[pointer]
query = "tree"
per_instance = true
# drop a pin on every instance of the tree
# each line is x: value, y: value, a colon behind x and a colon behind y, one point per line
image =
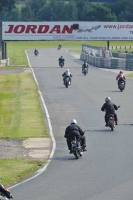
x: 14, y: 15
x: 119, y: 6
x: 82, y: 6
x: 36, y: 5
x: 26, y: 13
x: 6, y: 6
x: 127, y: 14
x: 58, y: 11
x: 100, y: 13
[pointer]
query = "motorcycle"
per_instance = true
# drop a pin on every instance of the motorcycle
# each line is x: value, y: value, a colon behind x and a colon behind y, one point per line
x: 61, y: 64
x: 67, y: 82
x: 85, y: 71
x: 77, y: 149
x: 111, y: 121
x: 36, y: 53
x: 59, y: 47
x: 5, y: 193
x: 121, y: 86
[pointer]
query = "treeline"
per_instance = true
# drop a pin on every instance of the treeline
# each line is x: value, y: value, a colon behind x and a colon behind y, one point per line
x: 71, y: 10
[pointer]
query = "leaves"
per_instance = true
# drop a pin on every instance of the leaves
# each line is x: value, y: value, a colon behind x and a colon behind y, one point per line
x: 68, y: 10
x: 6, y: 5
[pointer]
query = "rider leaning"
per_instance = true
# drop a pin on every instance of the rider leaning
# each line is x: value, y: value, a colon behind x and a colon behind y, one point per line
x: 121, y: 78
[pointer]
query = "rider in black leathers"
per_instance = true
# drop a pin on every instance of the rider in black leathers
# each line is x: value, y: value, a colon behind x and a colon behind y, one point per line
x: 85, y: 65
x: 61, y: 60
x: 5, y: 192
x: 73, y: 130
x: 110, y: 108
x: 36, y: 51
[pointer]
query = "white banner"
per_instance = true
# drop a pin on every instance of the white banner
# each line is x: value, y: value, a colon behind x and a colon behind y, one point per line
x: 67, y: 31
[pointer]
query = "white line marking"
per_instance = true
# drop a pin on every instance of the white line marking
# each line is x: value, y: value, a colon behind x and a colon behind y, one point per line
x: 40, y: 171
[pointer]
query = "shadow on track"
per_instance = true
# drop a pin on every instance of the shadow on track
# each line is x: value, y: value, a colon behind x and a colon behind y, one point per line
x: 66, y: 158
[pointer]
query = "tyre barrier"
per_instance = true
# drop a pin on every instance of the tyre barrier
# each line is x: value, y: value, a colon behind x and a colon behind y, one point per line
x: 4, y: 62
x: 0, y: 55
x: 110, y: 63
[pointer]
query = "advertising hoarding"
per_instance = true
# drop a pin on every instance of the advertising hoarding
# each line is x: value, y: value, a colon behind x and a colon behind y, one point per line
x: 67, y: 30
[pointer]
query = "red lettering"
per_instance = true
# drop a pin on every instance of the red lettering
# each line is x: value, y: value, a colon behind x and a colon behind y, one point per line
x: 43, y: 29
x: 10, y: 29
x: 38, y: 29
x: 67, y: 29
x: 56, y: 28
x: 19, y: 29
x: 31, y: 28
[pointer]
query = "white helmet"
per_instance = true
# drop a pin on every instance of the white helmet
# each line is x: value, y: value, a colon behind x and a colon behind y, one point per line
x: 107, y: 99
x: 67, y: 70
x: 73, y: 121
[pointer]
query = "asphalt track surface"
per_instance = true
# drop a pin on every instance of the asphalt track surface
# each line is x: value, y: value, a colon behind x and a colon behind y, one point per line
x: 105, y: 171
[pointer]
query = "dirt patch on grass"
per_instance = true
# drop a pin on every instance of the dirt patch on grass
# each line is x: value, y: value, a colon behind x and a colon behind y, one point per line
x: 13, y: 148
x: 31, y: 148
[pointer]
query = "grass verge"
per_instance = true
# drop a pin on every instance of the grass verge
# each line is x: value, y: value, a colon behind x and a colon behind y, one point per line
x: 16, y: 169
x: 16, y: 50
x: 130, y: 75
x: 20, y: 118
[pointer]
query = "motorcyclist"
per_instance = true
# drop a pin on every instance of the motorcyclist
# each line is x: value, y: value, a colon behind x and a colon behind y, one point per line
x: 60, y: 45
x: 85, y: 65
x: 36, y: 51
x: 121, y: 78
x: 110, y: 108
x: 5, y: 192
x: 67, y: 73
x: 61, y: 60
x: 73, y: 130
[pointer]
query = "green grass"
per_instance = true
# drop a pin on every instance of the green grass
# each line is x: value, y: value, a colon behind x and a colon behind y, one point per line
x: 75, y: 50
x: 16, y: 50
x: 20, y: 116
x: 130, y: 75
x: 14, y: 170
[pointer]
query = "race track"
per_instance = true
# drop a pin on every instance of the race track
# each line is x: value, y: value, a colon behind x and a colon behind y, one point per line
x: 105, y: 171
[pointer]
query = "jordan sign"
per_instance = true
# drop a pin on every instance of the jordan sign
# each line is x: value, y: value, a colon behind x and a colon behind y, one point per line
x: 67, y: 31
